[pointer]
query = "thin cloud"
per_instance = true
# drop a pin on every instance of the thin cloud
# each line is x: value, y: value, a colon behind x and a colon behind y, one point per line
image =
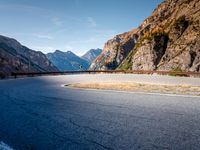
x: 68, y: 48
x: 77, y: 3
x: 91, y: 22
x: 28, y: 9
x: 86, y: 41
x: 45, y: 49
x: 40, y: 36
x: 49, y: 37
x: 57, y: 21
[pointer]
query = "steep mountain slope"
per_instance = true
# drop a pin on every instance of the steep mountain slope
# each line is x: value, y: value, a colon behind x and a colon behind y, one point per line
x: 91, y: 55
x: 67, y: 61
x: 115, y: 51
x: 15, y: 57
x: 168, y: 40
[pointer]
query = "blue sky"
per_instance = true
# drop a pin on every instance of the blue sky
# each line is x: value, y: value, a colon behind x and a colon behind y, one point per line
x: 76, y: 25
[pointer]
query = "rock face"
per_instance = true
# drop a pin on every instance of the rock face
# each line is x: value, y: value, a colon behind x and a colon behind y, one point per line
x: 149, y: 54
x: 168, y: 40
x: 67, y: 61
x: 15, y: 57
x: 115, y: 51
x: 91, y: 55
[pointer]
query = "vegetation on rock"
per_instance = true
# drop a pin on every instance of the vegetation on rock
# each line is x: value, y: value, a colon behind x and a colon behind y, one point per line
x: 163, y: 41
x: 181, y: 24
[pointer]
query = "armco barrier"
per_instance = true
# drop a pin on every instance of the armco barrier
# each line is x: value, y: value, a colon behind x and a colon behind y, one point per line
x: 196, y: 74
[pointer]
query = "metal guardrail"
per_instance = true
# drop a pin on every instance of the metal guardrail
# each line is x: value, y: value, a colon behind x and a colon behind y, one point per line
x: 15, y: 74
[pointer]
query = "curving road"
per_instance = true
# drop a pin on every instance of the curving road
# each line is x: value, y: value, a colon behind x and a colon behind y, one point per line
x: 39, y: 114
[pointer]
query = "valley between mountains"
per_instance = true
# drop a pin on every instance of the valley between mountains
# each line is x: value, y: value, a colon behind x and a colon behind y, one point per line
x: 168, y: 40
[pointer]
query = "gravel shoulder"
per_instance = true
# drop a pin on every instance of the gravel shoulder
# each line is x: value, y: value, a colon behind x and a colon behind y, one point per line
x: 138, y: 87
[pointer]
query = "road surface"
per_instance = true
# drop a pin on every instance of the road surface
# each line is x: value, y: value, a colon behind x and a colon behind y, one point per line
x: 39, y: 114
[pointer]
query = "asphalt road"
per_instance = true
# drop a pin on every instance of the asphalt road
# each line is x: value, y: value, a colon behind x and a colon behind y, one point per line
x: 39, y: 114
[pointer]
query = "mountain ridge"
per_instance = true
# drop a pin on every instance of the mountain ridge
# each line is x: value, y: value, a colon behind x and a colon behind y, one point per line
x: 167, y: 40
x: 91, y: 55
x: 66, y: 61
x: 15, y: 57
x: 69, y: 61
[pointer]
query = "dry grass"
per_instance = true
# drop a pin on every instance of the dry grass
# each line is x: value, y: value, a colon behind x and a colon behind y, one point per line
x: 168, y: 89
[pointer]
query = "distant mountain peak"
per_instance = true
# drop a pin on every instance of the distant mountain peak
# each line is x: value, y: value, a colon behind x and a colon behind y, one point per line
x: 66, y: 61
x: 69, y: 52
x: 57, y: 51
x: 92, y: 54
x: 70, y: 61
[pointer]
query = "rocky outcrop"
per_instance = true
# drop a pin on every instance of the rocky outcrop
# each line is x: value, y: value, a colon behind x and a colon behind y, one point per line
x: 115, y: 51
x: 15, y: 57
x: 91, y: 55
x: 178, y: 23
x: 168, y: 40
x: 149, y: 53
x: 67, y: 61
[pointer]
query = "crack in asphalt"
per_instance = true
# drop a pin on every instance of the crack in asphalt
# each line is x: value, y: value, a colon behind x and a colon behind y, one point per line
x: 159, y: 147
x: 110, y: 105
x: 89, y: 128
x: 101, y: 145
x: 93, y: 103
x: 64, y: 138
x: 87, y: 117
x: 88, y: 102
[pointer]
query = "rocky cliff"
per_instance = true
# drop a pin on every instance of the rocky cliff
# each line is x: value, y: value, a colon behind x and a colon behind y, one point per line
x: 15, y: 57
x: 115, y: 51
x: 168, y: 40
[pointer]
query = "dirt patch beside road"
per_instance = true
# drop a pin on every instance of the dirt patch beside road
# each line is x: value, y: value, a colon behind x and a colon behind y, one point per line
x: 152, y: 88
